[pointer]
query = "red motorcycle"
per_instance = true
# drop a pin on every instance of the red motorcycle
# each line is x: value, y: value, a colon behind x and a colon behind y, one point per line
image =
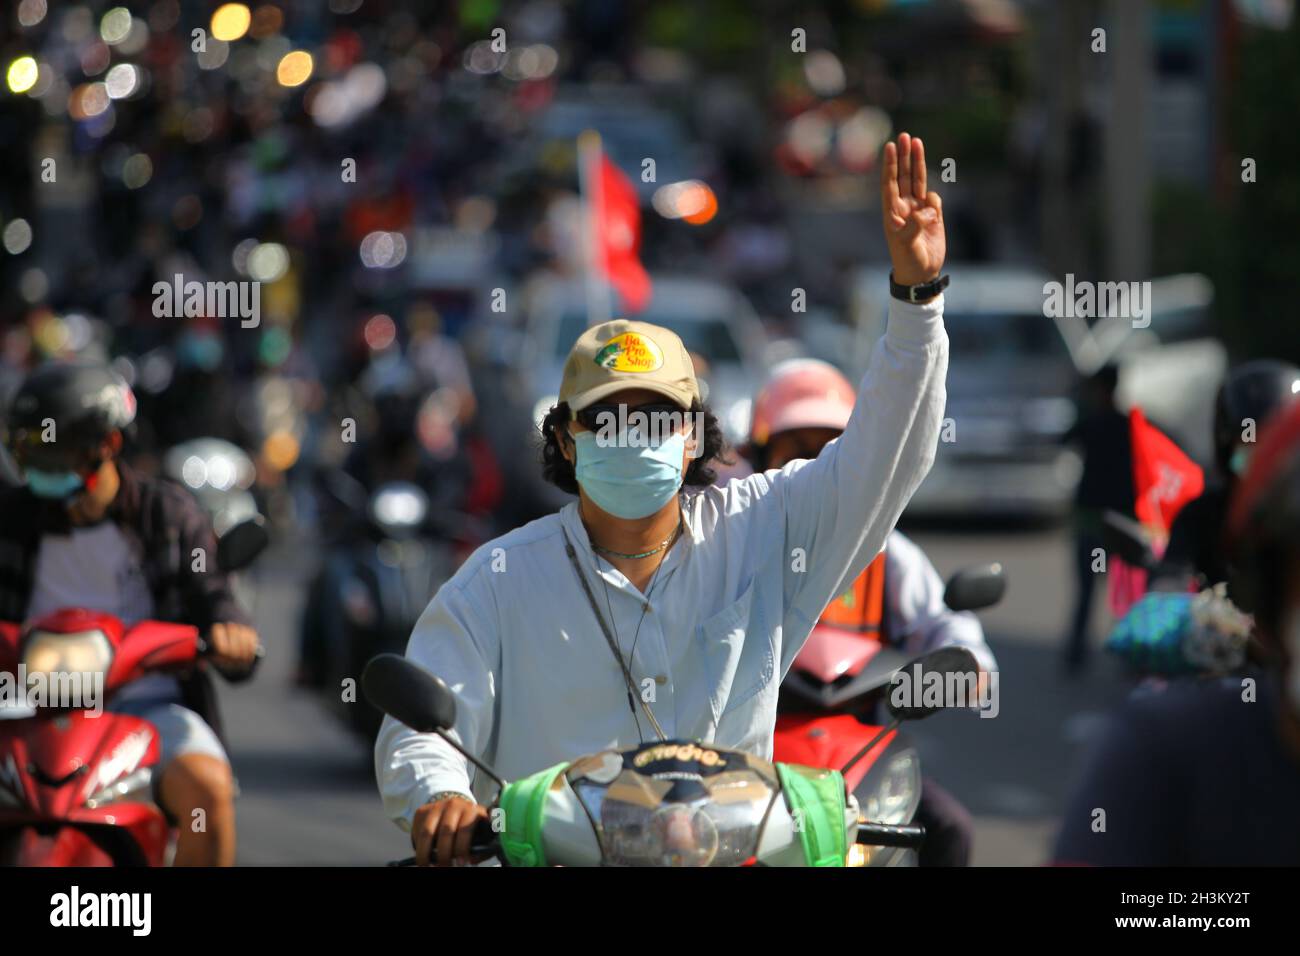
x: 76, y: 787
x: 828, y: 714
x: 76, y: 780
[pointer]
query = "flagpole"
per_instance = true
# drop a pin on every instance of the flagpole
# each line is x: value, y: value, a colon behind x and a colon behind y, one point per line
x: 599, y: 305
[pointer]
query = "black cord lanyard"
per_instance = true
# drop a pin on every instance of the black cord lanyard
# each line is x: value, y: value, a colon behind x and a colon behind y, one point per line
x: 609, y: 639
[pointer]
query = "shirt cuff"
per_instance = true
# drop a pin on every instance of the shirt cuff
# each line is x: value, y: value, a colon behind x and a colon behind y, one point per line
x: 915, y: 323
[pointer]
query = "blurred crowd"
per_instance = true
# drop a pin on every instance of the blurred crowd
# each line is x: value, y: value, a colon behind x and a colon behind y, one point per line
x: 401, y: 179
x: 380, y: 168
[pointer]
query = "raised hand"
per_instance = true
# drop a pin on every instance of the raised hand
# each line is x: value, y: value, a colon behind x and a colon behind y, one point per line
x: 913, y: 217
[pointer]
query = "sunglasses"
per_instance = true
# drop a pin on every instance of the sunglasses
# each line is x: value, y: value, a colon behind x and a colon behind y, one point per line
x: 618, y: 417
x: 30, y: 449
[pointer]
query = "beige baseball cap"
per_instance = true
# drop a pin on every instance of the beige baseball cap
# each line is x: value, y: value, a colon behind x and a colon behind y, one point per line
x: 613, y: 356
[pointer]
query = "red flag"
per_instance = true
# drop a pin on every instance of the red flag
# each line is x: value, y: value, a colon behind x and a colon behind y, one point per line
x: 617, y: 219
x: 1164, y: 478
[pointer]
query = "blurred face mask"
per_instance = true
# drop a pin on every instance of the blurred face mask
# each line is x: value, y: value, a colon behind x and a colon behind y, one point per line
x: 629, y: 480
x: 54, y: 485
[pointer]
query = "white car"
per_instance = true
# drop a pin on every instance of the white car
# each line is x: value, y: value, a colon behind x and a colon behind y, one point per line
x: 1011, y: 381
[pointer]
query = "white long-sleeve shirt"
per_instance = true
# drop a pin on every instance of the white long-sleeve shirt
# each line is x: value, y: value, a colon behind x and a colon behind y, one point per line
x: 514, y: 636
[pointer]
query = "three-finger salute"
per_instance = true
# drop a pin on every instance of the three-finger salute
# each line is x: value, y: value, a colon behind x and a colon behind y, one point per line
x: 913, y: 216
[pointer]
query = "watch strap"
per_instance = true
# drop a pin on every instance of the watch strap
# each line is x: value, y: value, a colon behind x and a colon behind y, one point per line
x: 917, y: 293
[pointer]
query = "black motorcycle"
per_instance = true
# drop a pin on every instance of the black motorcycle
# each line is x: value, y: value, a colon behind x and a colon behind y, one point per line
x: 388, y: 555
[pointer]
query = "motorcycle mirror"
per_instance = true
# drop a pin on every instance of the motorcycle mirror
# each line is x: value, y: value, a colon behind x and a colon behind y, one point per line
x: 242, y: 543
x: 944, y: 667
x: 1127, y: 538
x: 975, y: 587
x: 409, y: 694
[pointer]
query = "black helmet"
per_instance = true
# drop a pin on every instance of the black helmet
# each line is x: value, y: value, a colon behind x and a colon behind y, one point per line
x: 64, y: 409
x: 1254, y: 391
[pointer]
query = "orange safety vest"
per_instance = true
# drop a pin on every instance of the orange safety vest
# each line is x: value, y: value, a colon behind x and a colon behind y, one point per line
x: 862, y: 607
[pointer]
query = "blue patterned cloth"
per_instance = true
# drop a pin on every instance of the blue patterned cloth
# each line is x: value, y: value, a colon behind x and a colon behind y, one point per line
x: 1150, y: 636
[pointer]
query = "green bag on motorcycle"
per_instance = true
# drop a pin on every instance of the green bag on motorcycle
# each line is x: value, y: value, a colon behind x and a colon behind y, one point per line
x: 523, y: 804
x: 817, y: 803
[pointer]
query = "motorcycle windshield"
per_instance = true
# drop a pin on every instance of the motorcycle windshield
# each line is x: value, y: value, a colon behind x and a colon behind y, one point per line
x: 676, y: 803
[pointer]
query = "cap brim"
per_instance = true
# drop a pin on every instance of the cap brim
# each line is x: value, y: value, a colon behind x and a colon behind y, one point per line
x: 605, y: 389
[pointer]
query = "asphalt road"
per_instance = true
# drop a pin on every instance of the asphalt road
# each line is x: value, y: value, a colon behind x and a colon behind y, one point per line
x: 307, y: 785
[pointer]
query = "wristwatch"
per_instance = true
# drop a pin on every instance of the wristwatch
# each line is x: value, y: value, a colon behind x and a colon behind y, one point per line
x: 915, y: 293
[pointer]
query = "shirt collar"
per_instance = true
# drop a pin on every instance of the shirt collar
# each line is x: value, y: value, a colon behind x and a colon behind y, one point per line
x: 571, y: 521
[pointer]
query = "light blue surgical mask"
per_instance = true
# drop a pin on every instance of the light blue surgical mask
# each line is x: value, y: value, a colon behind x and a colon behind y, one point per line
x: 629, y: 480
x: 56, y: 485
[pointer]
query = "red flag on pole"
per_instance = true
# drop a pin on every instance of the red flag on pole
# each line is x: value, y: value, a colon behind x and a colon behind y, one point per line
x: 1164, y: 478
x: 616, y: 219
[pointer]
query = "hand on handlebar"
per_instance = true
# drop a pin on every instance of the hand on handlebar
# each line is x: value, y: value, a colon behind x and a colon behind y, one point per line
x: 233, y: 647
x: 443, y: 831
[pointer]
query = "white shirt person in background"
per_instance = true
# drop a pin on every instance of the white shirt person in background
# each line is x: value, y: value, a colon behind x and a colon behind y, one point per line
x: 698, y: 585
x: 899, y: 598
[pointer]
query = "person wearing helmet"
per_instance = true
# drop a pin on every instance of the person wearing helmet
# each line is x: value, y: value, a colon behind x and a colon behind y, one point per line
x: 806, y: 404
x: 1250, y: 396
x: 1207, y: 773
x: 85, y: 530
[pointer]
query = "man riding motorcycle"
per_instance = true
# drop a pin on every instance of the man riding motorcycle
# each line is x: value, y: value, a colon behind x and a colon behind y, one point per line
x: 899, y: 597
x: 85, y: 530
x: 1207, y: 773
x: 701, y: 597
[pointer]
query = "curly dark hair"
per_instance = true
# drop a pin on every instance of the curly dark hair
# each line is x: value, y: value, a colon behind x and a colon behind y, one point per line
x: 558, y: 471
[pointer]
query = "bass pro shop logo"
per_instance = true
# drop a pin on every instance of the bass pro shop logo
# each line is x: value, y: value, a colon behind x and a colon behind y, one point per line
x: 630, y: 352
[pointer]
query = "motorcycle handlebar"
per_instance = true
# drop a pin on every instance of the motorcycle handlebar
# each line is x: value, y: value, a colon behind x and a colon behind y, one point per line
x: 203, y: 648
x: 483, y: 843
x: 910, y: 835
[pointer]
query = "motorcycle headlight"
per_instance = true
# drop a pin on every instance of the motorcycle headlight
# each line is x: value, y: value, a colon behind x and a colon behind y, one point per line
x: 120, y: 777
x: 135, y: 787
x: 891, y: 799
x: 79, y: 652
x: 399, y: 507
